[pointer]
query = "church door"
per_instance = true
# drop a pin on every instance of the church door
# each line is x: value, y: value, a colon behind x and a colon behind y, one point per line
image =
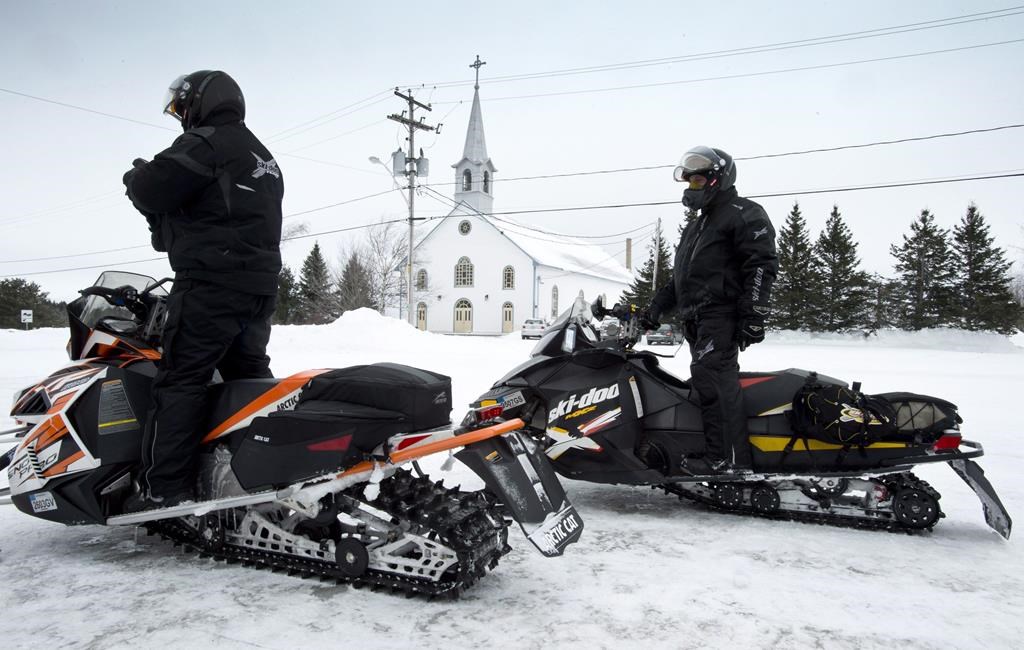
x: 421, y: 316
x: 506, y: 318
x: 463, y: 317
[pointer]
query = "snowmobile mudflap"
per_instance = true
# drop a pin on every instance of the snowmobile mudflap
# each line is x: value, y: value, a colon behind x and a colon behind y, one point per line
x: 519, y: 475
x: 995, y: 513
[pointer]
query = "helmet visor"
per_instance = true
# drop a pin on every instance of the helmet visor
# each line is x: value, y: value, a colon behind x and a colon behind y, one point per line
x: 699, y: 159
x: 174, y: 96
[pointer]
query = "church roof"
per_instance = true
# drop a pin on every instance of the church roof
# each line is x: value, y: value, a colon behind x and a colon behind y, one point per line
x: 563, y: 252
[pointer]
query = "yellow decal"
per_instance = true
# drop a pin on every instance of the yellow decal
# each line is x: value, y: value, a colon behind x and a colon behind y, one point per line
x: 778, y: 443
x: 583, y: 411
x: 489, y: 402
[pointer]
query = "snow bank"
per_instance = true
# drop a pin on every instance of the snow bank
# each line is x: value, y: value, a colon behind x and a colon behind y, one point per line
x: 932, y: 339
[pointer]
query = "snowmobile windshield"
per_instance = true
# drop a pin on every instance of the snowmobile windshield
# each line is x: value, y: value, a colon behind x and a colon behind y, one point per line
x: 171, y: 103
x: 90, y: 309
x: 550, y: 343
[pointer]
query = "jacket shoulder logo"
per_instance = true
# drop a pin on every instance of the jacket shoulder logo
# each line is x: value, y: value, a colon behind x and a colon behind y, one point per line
x: 763, y: 231
x: 265, y: 167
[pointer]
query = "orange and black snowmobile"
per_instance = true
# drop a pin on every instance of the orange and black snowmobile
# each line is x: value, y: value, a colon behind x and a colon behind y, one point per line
x: 306, y: 473
x: 822, y: 451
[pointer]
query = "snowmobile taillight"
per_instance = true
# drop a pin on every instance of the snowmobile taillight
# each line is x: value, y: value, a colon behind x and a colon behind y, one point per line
x: 489, y: 412
x: 947, y: 441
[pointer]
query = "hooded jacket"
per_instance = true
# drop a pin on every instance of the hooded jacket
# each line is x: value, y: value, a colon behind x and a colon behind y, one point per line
x: 725, y: 261
x: 213, y: 200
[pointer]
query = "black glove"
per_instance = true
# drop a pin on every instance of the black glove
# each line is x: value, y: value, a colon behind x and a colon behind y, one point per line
x: 648, y: 318
x: 750, y: 329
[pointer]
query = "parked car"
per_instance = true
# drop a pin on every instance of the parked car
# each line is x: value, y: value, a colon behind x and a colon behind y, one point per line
x: 533, y: 328
x: 667, y: 334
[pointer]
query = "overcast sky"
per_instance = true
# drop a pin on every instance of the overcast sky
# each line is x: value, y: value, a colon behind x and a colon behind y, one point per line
x: 296, y: 62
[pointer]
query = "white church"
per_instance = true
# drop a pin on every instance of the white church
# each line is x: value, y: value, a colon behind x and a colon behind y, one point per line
x: 475, y: 273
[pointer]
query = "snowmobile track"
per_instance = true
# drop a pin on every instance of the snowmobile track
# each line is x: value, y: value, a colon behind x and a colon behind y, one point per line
x: 467, y: 522
x: 886, y: 521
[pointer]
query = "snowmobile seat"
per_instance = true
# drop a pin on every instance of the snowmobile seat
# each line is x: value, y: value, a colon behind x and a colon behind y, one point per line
x: 229, y: 397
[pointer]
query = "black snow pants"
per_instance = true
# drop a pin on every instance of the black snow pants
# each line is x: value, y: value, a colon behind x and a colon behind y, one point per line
x: 208, y: 327
x: 714, y: 373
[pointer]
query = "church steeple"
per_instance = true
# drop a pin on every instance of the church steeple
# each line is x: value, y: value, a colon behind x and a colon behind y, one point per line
x: 474, y: 174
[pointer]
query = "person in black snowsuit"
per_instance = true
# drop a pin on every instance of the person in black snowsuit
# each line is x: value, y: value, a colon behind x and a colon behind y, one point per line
x: 213, y: 203
x: 725, y: 265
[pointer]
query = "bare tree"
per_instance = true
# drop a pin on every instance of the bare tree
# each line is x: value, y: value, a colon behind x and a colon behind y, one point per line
x: 383, y: 254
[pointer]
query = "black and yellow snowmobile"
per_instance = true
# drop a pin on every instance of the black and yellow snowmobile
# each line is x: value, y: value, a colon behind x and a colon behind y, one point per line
x: 822, y: 451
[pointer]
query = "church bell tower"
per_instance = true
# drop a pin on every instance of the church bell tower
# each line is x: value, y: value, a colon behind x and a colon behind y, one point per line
x: 474, y: 174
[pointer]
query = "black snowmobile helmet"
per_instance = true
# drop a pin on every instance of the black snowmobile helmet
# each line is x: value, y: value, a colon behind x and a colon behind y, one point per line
x: 192, y: 98
x: 715, y: 167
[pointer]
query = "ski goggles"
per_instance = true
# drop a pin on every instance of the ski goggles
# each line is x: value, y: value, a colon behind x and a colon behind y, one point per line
x: 696, y: 181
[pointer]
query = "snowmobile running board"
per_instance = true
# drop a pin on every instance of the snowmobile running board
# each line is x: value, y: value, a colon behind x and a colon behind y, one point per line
x: 315, y: 488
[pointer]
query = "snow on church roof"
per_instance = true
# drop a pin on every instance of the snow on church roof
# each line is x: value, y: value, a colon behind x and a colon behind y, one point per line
x: 563, y: 252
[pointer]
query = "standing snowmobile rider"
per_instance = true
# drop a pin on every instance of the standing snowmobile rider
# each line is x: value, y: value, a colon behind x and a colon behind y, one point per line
x: 725, y: 265
x: 213, y: 203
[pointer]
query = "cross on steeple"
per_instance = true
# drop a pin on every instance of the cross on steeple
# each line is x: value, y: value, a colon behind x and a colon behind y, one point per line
x: 476, y: 64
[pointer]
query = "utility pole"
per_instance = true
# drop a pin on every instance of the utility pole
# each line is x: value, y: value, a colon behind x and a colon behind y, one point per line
x: 657, y: 257
x: 412, y: 168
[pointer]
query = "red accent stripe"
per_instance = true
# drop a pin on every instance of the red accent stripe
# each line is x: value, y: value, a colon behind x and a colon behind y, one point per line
x: 412, y: 440
x: 747, y: 382
x: 337, y: 444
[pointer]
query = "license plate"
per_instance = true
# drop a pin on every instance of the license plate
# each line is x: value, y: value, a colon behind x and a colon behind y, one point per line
x: 42, y: 502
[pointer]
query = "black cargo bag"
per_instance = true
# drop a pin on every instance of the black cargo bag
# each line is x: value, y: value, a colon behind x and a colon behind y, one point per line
x: 317, y: 438
x: 921, y: 415
x: 841, y: 415
x: 423, y: 397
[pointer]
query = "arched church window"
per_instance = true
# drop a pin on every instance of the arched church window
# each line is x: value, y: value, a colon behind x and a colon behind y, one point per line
x: 467, y: 181
x: 421, y: 280
x: 508, y: 278
x: 464, y: 273
x: 554, y: 302
x: 487, y: 182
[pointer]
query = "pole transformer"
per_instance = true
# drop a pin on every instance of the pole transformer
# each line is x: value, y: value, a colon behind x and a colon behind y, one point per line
x: 411, y: 171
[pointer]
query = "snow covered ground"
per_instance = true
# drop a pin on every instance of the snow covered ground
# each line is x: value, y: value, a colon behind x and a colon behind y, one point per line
x: 649, y: 572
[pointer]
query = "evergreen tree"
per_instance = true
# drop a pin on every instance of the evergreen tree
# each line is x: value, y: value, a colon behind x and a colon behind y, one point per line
x: 882, y: 311
x: 982, y: 283
x: 315, y: 300
x: 17, y: 294
x: 796, y: 284
x: 925, y: 275
x: 689, y: 215
x: 840, y: 301
x: 355, y: 289
x: 640, y: 292
x: 287, y: 297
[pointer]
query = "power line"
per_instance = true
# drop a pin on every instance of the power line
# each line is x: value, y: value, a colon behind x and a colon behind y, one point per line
x: 743, y: 75
x: 87, y: 110
x: 757, y: 49
x: 756, y: 157
x: 127, y: 248
x: 448, y: 201
x: 591, y: 207
x: 280, y: 135
x: 496, y: 215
